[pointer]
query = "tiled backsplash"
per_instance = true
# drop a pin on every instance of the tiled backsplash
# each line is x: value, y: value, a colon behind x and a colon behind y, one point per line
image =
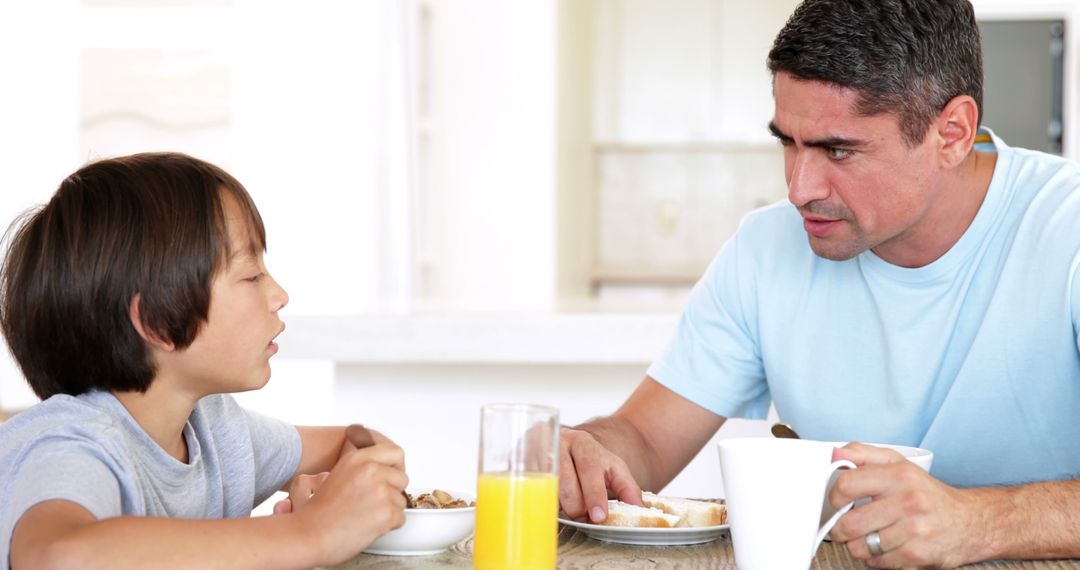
x: 663, y: 212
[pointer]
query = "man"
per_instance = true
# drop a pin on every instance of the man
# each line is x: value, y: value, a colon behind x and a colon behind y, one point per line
x: 921, y: 288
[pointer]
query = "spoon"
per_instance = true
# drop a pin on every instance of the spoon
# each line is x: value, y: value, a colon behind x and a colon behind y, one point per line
x: 784, y: 431
x: 359, y: 436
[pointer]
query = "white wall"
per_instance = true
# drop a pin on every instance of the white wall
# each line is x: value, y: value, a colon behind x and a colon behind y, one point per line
x: 486, y: 225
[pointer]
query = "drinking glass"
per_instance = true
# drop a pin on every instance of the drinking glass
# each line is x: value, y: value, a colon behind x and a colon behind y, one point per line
x: 517, y: 497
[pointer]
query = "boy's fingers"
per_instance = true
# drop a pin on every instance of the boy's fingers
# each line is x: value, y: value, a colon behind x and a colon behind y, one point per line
x: 384, y: 453
x: 359, y: 436
x: 283, y: 507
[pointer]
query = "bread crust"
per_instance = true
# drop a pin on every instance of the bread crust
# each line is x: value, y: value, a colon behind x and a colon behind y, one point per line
x: 665, y: 512
x: 693, y: 513
x: 627, y: 515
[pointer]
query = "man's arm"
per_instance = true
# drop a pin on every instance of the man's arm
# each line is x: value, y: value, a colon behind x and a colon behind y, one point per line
x: 644, y: 444
x: 359, y: 501
x: 925, y: 522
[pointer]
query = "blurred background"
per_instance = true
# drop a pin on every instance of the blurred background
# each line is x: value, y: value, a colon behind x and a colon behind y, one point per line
x: 468, y: 201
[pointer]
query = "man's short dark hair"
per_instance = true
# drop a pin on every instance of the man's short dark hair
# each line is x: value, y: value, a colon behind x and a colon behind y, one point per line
x: 150, y: 224
x: 907, y: 57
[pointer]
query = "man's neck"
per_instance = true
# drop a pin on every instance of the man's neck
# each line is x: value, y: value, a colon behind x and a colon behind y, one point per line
x: 162, y: 413
x: 959, y: 201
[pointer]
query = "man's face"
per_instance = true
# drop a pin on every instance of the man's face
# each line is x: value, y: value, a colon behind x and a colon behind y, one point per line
x: 854, y: 179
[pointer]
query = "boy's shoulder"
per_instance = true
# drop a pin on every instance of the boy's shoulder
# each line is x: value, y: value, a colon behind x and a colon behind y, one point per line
x: 60, y: 418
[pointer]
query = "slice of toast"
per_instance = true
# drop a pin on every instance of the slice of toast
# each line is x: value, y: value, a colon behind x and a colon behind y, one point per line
x: 691, y: 513
x: 625, y: 514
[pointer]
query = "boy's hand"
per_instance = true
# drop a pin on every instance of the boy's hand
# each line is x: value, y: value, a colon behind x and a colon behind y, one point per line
x: 359, y: 500
x: 301, y: 490
x: 359, y: 437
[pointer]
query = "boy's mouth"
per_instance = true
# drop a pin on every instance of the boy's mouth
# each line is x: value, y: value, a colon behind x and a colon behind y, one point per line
x: 272, y: 344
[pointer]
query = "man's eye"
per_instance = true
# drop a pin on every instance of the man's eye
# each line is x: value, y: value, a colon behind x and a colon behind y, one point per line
x: 838, y: 153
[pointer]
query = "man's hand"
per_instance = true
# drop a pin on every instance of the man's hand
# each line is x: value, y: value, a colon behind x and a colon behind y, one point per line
x: 921, y: 521
x: 587, y: 471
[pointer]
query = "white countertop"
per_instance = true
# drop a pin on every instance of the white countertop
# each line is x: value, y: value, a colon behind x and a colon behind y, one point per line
x: 484, y: 338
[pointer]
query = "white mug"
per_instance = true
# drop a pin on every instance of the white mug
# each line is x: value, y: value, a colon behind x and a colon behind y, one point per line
x: 775, y: 489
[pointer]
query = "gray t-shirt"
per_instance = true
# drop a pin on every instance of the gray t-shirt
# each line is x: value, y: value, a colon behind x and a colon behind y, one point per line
x: 89, y: 450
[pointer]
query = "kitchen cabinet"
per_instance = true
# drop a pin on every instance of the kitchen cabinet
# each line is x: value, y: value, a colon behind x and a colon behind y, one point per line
x: 676, y: 151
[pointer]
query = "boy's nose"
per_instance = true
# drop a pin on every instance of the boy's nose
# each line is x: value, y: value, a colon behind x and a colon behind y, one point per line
x: 279, y: 298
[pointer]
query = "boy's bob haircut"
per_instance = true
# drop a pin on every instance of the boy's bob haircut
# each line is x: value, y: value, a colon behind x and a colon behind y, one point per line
x: 149, y: 225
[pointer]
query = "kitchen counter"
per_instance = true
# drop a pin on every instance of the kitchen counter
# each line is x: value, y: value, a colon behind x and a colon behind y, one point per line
x: 480, y: 338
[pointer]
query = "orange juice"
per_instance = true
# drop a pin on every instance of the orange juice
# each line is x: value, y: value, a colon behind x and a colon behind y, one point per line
x: 516, y: 521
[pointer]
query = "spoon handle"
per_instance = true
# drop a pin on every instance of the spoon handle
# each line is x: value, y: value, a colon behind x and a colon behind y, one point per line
x: 784, y: 431
x: 361, y: 437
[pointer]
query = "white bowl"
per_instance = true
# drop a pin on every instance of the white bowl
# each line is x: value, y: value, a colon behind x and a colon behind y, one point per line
x: 428, y: 531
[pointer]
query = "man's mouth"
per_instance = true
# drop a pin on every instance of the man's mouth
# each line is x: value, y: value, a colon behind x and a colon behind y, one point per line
x: 819, y: 227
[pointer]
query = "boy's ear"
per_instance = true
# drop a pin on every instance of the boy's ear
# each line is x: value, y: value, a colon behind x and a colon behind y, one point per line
x: 147, y: 335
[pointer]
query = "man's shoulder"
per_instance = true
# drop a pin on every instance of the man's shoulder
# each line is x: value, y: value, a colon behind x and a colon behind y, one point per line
x: 1045, y: 196
x: 1038, y: 173
x: 776, y: 225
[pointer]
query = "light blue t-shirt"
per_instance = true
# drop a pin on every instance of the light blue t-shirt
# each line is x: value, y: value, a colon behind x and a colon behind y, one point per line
x: 89, y: 450
x: 975, y: 356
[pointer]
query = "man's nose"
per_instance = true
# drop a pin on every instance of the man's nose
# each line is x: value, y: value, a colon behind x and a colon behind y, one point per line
x: 806, y: 177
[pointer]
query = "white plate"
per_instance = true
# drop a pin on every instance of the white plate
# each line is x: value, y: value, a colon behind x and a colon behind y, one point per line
x: 650, y: 536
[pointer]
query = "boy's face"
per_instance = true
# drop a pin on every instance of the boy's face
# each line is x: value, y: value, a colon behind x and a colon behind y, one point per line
x: 231, y: 352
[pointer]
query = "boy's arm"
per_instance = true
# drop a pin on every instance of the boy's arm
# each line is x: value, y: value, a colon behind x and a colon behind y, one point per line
x: 359, y: 501
x: 323, y: 447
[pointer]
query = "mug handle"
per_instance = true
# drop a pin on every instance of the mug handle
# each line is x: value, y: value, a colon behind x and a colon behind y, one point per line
x: 825, y: 528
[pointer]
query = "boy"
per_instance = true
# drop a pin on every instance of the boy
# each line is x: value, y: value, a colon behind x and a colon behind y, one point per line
x: 135, y: 301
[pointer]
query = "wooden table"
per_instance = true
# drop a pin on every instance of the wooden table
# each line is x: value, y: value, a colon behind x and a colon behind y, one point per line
x: 579, y: 552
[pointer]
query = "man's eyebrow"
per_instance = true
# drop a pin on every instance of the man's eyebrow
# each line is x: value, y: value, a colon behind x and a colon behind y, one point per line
x: 829, y: 142
x: 776, y: 132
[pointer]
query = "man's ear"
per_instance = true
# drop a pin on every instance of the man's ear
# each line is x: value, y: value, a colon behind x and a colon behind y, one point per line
x: 149, y: 336
x: 956, y: 127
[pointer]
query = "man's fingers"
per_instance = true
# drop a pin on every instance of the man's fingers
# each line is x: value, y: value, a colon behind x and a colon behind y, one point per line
x: 587, y: 470
x: 588, y: 460
x: 623, y: 485
x: 866, y: 481
x: 570, y: 499
x: 876, y: 481
x: 861, y: 520
x: 863, y: 454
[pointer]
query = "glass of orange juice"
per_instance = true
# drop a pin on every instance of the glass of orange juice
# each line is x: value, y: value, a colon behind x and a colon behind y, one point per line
x: 517, y: 497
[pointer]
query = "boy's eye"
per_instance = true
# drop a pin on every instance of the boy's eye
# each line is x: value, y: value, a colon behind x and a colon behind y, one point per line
x: 254, y: 278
